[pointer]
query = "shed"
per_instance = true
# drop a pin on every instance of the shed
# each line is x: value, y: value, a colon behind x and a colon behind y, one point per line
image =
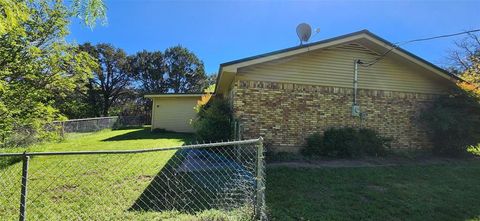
x: 173, y: 112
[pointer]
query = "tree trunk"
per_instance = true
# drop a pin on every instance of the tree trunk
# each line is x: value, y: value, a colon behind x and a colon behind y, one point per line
x: 106, y: 106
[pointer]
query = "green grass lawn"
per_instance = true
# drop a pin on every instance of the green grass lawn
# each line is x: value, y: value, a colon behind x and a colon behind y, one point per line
x: 94, y: 187
x: 115, y: 187
x: 434, y: 192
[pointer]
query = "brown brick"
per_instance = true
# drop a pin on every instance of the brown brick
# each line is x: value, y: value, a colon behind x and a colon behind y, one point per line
x: 285, y: 114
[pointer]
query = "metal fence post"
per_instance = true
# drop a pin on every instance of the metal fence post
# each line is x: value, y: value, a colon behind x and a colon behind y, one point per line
x: 260, y: 198
x: 63, y: 129
x: 23, y: 194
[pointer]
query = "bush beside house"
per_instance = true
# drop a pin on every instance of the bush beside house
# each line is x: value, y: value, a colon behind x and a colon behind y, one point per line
x: 213, y: 119
x: 454, y: 122
x: 346, y: 142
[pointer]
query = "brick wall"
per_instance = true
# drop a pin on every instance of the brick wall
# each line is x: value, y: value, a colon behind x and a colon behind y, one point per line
x: 285, y: 114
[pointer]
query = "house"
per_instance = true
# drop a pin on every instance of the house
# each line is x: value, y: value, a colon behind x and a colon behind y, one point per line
x: 286, y: 95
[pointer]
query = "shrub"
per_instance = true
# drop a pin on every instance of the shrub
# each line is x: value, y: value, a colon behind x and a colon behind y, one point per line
x: 371, y: 143
x: 314, y: 145
x: 346, y: 142
x: 340, y: 142
x: 453, y: 123
x: 213, y: 120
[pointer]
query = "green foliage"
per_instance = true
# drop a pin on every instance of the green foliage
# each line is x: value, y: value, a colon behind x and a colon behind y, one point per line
x: 13, y: 13
x: 119, y: 81
x: 210, y: 82
x: 148, y: 68
x: 184, y: 69
x: 341, y: 143
x: 210, y: 88
x: 175, y: 70
x: 346, y: 142
x: 90, y: 11
x: 314, y: 145
x: 471, y: 75
x: 453, y: 122
x: 213, y: 120
x: 112, y: 78
x: 474, y: 150
x: 371, y: 143
x: 37, y: 67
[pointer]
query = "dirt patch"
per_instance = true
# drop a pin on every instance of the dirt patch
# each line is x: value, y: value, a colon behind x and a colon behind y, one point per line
x: 144, y: 177
x: 66, y: 188
x: 368, y: 162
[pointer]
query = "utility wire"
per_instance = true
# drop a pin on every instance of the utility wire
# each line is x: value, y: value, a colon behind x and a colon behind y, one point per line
x: 398, y: 44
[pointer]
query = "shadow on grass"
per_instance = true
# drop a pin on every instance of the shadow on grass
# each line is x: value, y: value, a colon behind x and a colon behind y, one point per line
x: 7, y: 161
x: 195, y: 180
x: 146, y: 133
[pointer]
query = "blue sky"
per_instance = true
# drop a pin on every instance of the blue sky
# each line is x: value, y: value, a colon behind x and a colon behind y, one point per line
x: 221, y: 31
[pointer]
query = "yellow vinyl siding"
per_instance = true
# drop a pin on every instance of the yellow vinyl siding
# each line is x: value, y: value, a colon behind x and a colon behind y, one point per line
x: 174, y: 113
x: 334, y: 67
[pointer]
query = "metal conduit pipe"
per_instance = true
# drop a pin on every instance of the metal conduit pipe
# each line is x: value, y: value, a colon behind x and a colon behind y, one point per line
x: 355, y: 107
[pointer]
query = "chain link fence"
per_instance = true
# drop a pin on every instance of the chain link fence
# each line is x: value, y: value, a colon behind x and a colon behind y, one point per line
x: 86, y: 124
x: 218, y: 181
x: 26, y: 135
x: 99, y: 123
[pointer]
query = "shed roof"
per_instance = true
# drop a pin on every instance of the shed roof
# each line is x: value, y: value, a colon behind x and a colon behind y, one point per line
x: 173, y: 95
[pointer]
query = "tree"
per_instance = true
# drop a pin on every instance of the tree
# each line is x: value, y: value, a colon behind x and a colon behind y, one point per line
x: 83, y: 102
x: 211, y: 80
x: 453, y: 120
x: 14, y: 13
x: 112, y: 77
x: 149, y: 69
x: 466, y: 52
x: 177, y: 70
x: 465, y: 60
x: 90, y: 11
x: 185, y: 71
x: 37, y: 66
x: 472, y: 78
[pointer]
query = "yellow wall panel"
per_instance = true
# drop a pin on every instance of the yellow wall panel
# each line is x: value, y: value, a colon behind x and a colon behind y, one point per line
x: 174, y: 113
x: 335, y: 67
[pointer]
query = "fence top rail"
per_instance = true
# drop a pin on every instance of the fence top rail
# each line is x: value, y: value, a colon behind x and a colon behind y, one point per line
x: 192, y: 146
x: 86, y: 119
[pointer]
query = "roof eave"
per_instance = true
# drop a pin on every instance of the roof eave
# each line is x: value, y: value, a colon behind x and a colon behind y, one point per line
x: 172, y: 95
x: 358, y: 34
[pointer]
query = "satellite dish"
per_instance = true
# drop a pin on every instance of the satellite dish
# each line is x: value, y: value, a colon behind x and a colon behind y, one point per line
x: 304, y: 31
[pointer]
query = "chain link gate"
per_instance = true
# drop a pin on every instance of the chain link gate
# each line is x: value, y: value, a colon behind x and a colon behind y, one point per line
x: 225, y: 179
